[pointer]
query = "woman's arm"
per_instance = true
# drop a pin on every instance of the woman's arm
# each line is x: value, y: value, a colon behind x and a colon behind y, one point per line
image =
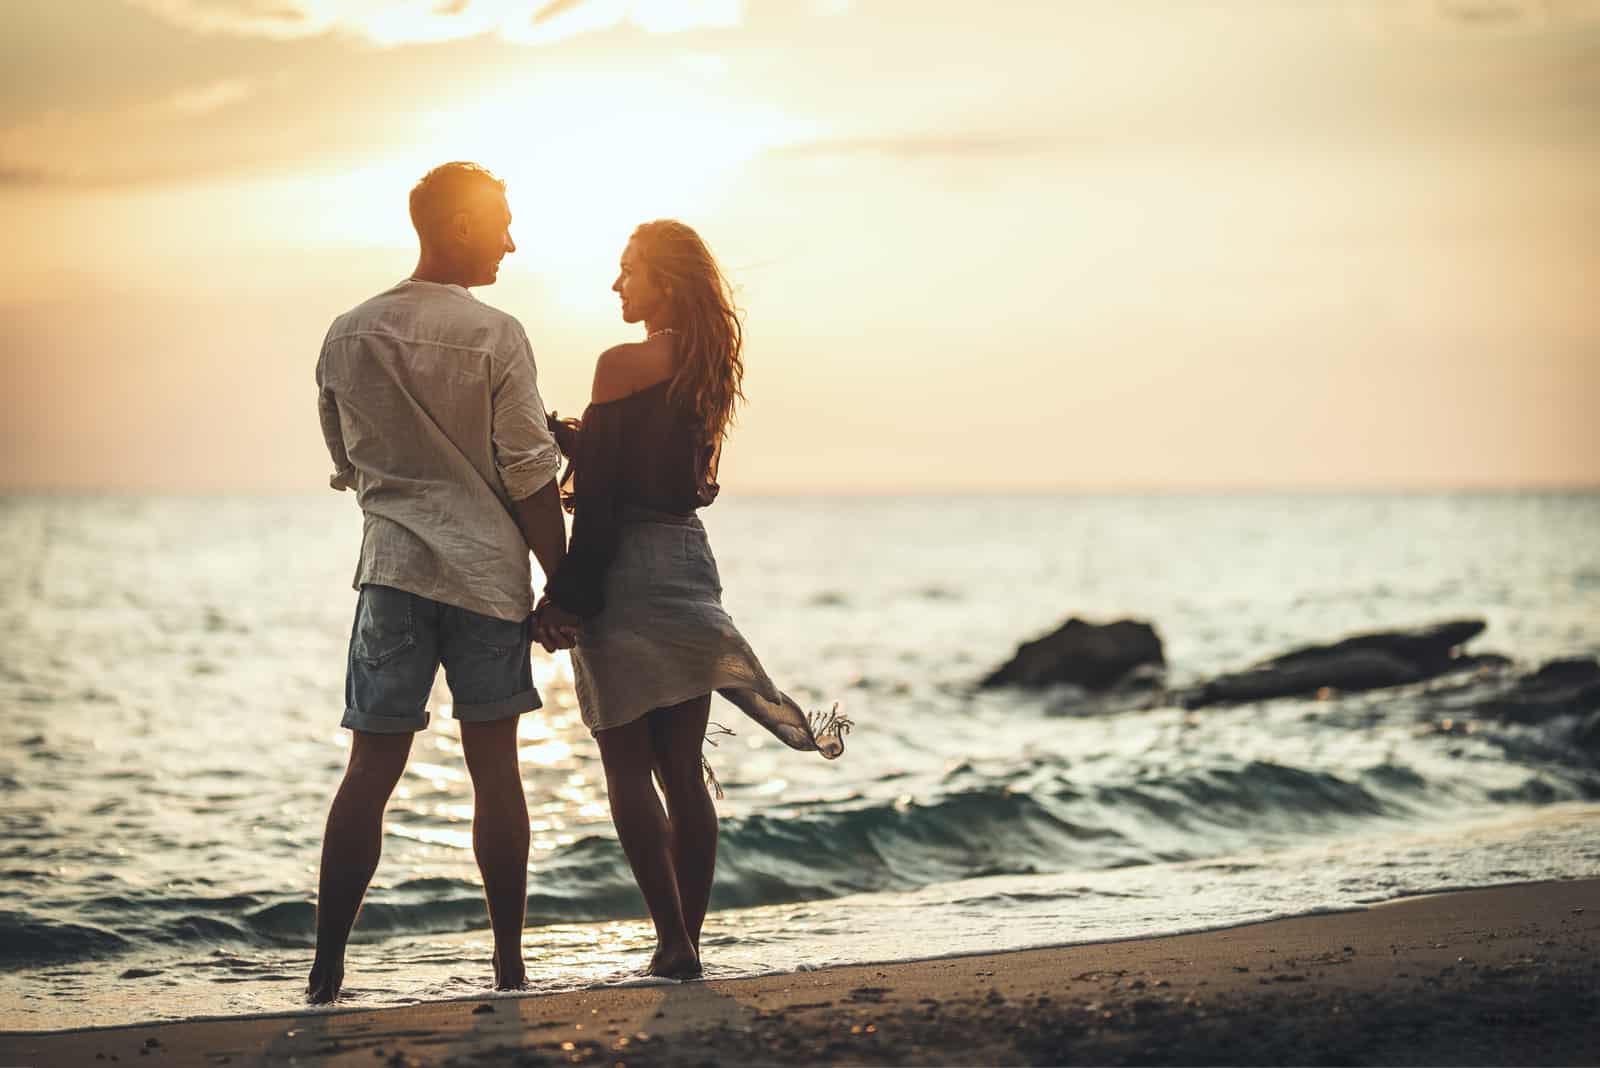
x: 578, y: 586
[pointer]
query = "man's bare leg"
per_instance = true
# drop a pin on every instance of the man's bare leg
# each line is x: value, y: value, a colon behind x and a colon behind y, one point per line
x: 500, y: 839
x: 351, y: 846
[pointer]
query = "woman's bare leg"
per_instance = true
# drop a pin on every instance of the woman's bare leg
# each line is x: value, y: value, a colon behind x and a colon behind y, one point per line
x: 677, y: 735
x: 643, y: 831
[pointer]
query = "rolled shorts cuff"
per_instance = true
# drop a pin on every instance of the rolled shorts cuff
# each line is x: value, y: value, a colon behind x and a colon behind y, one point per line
x: 365, y: 721
x: 505, y: 708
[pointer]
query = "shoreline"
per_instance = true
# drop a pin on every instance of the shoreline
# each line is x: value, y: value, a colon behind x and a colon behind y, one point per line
x: 1504, y: 975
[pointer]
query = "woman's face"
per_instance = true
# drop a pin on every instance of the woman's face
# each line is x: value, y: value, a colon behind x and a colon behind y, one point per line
x: 642, y: 300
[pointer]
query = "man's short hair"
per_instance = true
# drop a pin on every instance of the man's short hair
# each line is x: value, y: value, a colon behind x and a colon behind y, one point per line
x: 445, y: 190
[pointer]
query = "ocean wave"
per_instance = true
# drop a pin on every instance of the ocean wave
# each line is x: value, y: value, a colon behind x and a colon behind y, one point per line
x: 28, y: 941
x: 811, y: 853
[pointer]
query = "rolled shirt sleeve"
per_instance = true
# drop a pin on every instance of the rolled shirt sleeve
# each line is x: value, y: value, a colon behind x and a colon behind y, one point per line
x: 344, y: 473
x: 525, y: 452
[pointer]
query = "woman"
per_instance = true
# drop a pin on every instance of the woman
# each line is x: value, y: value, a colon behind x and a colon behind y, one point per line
x: 639, y: 576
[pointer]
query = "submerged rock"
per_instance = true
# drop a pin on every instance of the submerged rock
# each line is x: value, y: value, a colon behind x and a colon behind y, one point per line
x: 1360, y: 662
x: 1587, y: 736
x: 1569, y: 687
x: 1357, y: 669
x: 1429, y: 649
x: 1092, y: 655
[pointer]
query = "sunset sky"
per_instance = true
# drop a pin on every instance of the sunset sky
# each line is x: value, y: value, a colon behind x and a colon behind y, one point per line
x: 1113, y: 245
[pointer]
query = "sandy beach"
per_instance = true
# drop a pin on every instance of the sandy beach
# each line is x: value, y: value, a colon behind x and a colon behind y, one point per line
x: 1500, y: 976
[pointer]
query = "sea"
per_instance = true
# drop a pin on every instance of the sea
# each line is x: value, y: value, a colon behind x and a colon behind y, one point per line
x: 171, y: 679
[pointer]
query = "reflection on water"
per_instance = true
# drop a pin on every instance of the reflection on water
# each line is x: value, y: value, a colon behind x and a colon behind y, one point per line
x: 172, y: 676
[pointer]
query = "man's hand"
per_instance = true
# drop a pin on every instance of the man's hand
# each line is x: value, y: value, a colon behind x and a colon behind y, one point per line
x: 554, y: 627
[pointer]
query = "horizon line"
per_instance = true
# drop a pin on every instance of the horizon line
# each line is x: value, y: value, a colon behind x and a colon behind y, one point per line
x: 1065, y: 490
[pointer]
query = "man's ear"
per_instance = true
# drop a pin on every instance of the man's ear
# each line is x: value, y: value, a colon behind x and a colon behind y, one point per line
x: 461, y: 226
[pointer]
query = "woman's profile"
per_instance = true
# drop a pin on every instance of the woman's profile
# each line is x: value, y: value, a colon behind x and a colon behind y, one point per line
x: 639, y: 577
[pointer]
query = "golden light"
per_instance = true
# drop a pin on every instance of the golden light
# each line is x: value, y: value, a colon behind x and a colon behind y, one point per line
x: 585, y: 158
x: 545, y: 754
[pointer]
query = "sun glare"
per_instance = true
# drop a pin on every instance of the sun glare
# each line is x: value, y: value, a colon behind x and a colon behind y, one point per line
x: 585, y: 159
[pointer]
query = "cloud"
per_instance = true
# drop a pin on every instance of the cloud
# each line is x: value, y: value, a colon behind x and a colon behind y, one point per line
x: 1456, y: 17
x: 204, y: 99
x: 933, y: 146
x: 135, y: 142
x: 284, y: 20
x: 18, y: 177
x: 400, y: 22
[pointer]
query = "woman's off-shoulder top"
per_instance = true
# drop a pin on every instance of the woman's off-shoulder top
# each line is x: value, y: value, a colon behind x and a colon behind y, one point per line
x: 643, y: 450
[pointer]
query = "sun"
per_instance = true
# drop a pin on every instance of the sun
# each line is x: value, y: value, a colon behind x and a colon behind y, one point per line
x: 585, y: 159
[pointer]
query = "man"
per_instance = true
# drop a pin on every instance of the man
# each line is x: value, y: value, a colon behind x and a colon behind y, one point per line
x: 431, y: 411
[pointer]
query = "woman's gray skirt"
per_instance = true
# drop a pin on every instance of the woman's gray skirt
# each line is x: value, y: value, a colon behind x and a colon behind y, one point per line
x: 663, y: 638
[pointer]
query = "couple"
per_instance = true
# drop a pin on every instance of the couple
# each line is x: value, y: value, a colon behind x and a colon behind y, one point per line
x: 431, y: 411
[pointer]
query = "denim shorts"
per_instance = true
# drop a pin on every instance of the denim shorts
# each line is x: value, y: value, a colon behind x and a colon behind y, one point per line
x: 397, y: 643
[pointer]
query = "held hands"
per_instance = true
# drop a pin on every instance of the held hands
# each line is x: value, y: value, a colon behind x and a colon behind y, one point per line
x: 554, y: 627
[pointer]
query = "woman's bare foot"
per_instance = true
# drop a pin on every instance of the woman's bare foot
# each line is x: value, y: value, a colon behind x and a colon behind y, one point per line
x: 513, y: 977
x: 675, y: 964
x: 323, y: 986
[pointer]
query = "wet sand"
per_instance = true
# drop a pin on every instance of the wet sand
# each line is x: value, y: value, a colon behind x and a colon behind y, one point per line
x: 1501, y: 976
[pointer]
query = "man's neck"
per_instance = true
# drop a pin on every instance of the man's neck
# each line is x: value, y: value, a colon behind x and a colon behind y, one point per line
x: 439, y: 273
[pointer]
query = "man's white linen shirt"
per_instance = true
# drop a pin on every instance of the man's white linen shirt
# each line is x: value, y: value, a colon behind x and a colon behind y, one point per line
x: 431, y: 411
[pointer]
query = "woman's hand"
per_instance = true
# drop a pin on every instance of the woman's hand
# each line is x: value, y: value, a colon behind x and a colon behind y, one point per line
x: 554, y: 627
x: 565, y: 431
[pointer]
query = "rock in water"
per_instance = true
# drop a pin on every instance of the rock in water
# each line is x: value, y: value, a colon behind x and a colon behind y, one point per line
x: 1561, y: 688
x: 1360, y: 662
x: 1587, y: 736
x: 1429, y: 649
x: 1354, y: 669
x: 1091, y: 655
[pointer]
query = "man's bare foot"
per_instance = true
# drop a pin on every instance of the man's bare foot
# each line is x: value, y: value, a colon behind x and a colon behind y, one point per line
x: 323, y: 986
x: 676, y: 964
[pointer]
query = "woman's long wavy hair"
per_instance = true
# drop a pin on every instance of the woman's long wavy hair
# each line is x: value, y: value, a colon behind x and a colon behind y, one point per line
x: 710, y: 335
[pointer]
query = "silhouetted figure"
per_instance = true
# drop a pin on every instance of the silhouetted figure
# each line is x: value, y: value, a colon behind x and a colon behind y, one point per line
x: 654, y: 641
x: 431, y: 412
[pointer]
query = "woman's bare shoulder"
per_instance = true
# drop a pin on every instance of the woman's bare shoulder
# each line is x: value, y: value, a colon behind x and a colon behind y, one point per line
x: 624, y: 369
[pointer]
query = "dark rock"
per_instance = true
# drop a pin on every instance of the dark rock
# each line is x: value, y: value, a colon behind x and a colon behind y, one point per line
x: 1139, y: 690
x: 1478, y: 662
x: 1360, y: 662
x: 1568, y: 687
x: 1361, y: 669
x: 1429, y: 649
x: 1091, y: 655
x: 1587, y: 736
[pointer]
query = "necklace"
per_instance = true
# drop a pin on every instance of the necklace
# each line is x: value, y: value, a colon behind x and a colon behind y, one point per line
x: 659, y: 333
